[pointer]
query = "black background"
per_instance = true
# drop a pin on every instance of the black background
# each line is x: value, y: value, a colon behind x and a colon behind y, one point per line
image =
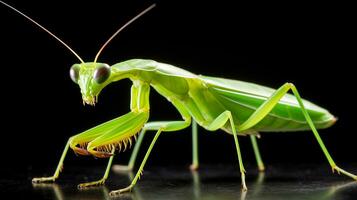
x: 309, y: 44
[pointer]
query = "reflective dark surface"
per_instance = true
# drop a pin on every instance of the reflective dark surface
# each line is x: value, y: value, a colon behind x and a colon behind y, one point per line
x: 211, y: 182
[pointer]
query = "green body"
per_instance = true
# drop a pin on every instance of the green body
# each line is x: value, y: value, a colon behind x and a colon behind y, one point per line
x: 237, y: 107
x: 207, y: 97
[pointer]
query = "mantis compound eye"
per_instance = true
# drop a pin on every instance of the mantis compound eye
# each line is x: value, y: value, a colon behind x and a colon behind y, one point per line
x: 74, y: 73
x: 101, y: 74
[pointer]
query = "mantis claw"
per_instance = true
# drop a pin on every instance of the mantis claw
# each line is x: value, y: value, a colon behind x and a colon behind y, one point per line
x: 342, y: 171
x: 91, y: 184
x: 81, y: 151
x: 244, y: 186
x: 100, y: 154
x: 114, y: 193
x: 119, y: 192
x: 43, y: 180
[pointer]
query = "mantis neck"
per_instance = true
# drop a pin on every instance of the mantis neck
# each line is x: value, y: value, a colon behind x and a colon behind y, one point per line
x: 132, y: 69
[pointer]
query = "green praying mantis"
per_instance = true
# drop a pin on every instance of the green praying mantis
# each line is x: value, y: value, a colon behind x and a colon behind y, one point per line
x: 238, y: 108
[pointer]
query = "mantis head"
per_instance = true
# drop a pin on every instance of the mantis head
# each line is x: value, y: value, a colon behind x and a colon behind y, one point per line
x: 91, y: 78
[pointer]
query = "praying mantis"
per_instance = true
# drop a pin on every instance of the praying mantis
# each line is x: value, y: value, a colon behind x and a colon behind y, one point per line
x: 238, y: 108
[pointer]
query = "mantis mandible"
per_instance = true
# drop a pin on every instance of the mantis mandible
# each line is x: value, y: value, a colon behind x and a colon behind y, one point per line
x: 238, y: 108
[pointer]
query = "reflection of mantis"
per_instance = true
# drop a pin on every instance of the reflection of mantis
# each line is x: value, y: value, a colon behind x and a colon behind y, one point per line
x: 202, y: 190
x: 239, y: 108
x: 60, y: 194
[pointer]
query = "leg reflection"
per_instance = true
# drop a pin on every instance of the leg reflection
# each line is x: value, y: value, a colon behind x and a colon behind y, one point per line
x: 56, y: 189
x: 196, y: 184
x: 332, y: 192
x: 60, y: 194
x: 199, y: 194
x: 258, y: 185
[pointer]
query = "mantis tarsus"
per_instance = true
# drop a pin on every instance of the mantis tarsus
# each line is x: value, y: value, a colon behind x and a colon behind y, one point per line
x: 239, y: 108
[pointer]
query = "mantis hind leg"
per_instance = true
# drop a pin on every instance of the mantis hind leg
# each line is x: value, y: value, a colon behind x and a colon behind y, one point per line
x: 268, y: 105
x: 219, y: 122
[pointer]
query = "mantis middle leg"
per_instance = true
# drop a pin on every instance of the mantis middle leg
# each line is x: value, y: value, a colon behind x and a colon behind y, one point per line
x: 134, y: 154
x: 131, y: 164
x: 218, y: 123
x: 269, y: 104
x: 159, y: 126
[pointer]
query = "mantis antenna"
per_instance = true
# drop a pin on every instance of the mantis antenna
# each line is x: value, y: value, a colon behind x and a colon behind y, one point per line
x: 121, y: 28
x: 43, y: 28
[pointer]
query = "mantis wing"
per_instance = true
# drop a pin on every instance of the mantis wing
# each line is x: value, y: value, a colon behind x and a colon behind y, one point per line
x: 243, y: 98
